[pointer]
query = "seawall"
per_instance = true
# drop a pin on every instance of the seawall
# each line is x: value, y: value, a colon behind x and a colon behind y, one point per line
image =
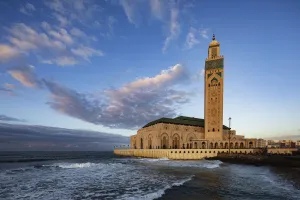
x: 178, y: 154
x: 191, y: 154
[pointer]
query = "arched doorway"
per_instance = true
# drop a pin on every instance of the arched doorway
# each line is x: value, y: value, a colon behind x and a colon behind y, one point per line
x: 141, y: 143
x: 211, y: 146
x: 250, y: 144
x: 241, y: 145
x: 195, y: 145
x: 175, y: 143
x: 231, y: 145
x: 226, y: 145
x: 203, y: 145
x: 187, y: 145
x: 150, y: 143
x: 164, y: 142
x: 216, y: 145
x: 221, y: 145
x: 236, y: 145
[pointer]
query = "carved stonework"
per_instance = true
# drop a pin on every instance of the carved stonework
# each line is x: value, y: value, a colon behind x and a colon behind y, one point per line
x: 214, y: 64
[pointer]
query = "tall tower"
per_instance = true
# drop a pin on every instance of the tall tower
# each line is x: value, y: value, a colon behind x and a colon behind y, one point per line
x: 214, y: 84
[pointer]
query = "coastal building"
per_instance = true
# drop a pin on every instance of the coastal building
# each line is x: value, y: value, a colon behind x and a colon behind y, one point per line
x: 194, y: 133
x: 261, y: 143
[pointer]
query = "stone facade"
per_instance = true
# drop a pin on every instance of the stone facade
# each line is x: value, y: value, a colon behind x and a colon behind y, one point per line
x: 192, y: 133
x: 173, y: 136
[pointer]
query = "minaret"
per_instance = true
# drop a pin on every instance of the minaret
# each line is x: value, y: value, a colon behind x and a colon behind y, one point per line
x: 214, y: 84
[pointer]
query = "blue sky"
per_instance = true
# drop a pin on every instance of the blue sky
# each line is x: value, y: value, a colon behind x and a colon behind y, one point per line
x: 112, y: 66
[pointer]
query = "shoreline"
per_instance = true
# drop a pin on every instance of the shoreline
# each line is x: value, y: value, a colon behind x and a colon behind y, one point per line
x: 259, y: 160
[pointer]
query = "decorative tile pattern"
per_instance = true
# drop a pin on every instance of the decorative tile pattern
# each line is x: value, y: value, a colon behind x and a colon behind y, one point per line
x: 214, y: 64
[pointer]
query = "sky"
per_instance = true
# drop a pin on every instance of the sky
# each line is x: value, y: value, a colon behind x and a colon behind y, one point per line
x: 113, y: 66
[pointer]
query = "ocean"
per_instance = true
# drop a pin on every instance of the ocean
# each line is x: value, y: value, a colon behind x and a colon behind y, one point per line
x: 104, y: 176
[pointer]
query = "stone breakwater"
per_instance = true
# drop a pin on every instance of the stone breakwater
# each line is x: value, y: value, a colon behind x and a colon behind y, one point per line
x: 259, y: 160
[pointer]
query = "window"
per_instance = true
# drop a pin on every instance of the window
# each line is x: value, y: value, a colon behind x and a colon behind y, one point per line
x: 171, y: 151
x: 208, y: 130
x: 192, y: 151
x: 219, y: 84
x: 208, y: 85
x: 213, y: 130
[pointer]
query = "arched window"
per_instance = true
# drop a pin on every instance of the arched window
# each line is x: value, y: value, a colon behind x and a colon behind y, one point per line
x: 141, y: 143
x: 213, y: 130
x: 208, y: 85
x: 219, y: 83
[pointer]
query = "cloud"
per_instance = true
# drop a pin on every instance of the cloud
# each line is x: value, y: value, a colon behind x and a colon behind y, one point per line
x: 130, y: 106
x: 203, y: 33
x: 10, y: 119
x: 191, y: 38
x: 130, y: 9
x: 27, y: 9
x: 62, y: 35
x: 25, y: 38
x: 26, y: 76
x: 86, y: 52
x: 158, y: 8
x: 7, y: 53
x: 65, y: 12
x: 174, y: 28
x: 54, y: 45
x: 62, y: 61
x: 26, y: 137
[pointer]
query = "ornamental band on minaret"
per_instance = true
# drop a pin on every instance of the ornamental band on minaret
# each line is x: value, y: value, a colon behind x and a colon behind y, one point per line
x: 214, y: 82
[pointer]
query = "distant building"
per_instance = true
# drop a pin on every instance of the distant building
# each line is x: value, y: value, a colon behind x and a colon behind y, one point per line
x: 261, y: 143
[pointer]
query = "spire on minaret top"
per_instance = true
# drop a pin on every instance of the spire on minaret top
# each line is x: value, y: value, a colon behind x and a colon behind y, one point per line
x: 214, y: 37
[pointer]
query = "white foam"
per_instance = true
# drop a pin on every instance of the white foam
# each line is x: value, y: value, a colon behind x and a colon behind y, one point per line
x: 156, y: 194
x: 210, y: 164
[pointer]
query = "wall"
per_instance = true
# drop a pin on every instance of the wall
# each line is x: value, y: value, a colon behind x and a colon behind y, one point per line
x: 178, y: 154
x: 281, y: 150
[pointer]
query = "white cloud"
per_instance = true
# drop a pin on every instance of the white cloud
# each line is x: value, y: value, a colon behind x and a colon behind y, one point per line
x: 77, y: 32
x: 26, y: 38
x: 54, y: 45
x: 61, y: 19
x: 174, y: 28
x: 27, y: 9
x: 191, y: 38
x: 86, y: 52
x: 130, y: 9
x: 62, y: 61
x: 46, y: 26
x: 203, y: 33
x: 62, y: 35
x: 7, y: 52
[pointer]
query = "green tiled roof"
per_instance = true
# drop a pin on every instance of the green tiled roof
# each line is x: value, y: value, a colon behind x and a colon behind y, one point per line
x: 181, y: 120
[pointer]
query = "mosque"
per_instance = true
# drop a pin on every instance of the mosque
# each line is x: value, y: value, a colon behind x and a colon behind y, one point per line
x: 194, y: 133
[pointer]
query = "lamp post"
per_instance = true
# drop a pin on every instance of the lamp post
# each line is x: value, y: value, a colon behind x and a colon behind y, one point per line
x: 229, y: 134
